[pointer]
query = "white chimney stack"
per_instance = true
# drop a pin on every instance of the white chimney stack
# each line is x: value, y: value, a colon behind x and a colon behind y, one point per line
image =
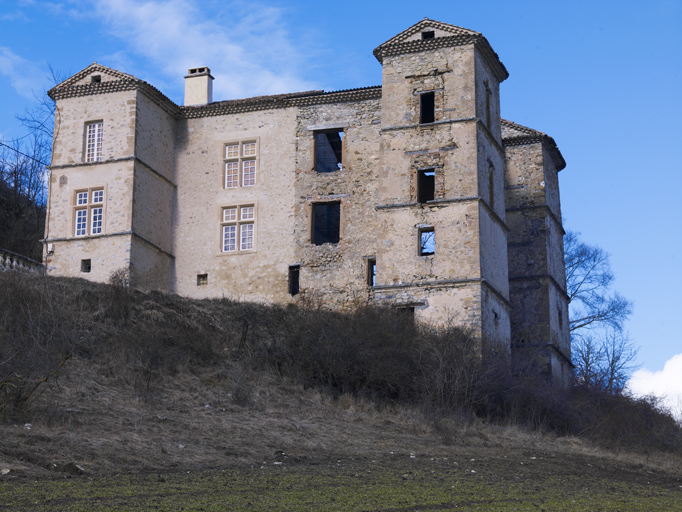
x: 198, y: 87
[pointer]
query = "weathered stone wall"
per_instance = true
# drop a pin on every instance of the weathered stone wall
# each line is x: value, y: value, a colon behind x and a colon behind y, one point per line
x: 106, y: 254
x: 259, y: 274
x: 155, y: 137
x: 116, y: 111
x: 335, y: 274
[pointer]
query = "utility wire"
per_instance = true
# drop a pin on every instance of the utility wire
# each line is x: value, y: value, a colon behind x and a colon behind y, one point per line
x: 24, y: 154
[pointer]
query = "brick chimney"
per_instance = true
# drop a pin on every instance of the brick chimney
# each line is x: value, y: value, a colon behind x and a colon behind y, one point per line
x: 198, y: 87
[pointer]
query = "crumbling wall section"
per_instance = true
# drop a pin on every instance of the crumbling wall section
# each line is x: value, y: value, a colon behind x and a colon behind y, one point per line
x: 335, y: 274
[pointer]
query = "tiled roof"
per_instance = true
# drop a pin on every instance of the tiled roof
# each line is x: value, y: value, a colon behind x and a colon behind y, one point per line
x: 124, y: 82
x: 517, y: 135
x: 400, y: 44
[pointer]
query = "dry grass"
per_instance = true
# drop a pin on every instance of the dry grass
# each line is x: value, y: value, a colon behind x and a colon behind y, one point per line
x: 156, y: 382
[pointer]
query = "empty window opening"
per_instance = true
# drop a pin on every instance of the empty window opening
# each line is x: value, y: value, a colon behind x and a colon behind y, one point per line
x: 95, y: 79
x: 428, y: 34
x: 202, y: 279
x: 405, y: 313
x: 427, y: 241
x: 294, y: 275
x: 427, y: 107
x: 86, y: 266
x: 326, y: 223
x: 426, y: 185
x: 329, y: 151
x: 371, y: 271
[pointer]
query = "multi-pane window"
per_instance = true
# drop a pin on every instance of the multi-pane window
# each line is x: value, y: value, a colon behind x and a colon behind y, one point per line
x: 238, y: 228
x: 93, y: 141
x: 89, y: 212
x: 240, y: 164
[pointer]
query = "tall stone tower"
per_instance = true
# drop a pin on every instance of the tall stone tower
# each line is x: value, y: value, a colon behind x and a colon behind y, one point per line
x: 537, y: 274
x: 443, y: 244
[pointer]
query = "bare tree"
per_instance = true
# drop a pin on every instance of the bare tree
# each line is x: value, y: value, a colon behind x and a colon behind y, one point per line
x: 603, y: 354
x: 23, y: 197
x: 588, y: 283
x: 604, y: 361
x: 24, y: 178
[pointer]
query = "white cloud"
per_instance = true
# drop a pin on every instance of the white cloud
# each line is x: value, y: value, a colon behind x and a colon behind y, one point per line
x: 24, y: 76
x: 245, y: 45
x: 666, y: 384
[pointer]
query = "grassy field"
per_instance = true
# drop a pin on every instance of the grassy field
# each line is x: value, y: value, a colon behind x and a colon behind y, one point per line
x: 394, y: 483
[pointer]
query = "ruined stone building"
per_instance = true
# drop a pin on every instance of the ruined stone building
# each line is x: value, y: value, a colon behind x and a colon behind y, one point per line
x: 414, y: 194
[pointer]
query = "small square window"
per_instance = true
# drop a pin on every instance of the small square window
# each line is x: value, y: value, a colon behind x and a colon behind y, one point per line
x: 97, y: 196
x: 82, y: 198
x: 202, y: 279
x: 247, y: 212
x: 428, y: 34
x: 86, y: 266
x: 427, y: 241
x: 249, y: 149
x: 232, y: 151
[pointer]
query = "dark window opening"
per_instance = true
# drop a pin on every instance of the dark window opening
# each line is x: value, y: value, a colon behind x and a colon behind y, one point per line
x: 95, y: 79
x: 326, y: 223
x: 329, y: 151
x: 426, y: 185
x: 429, y: 34
x: 294, y: 273
x: 405, y: 313
x: 427, y: 241
x: 371, y: 272
x: 202, y: 279
x: 86, y: 266
x: 427, y: 107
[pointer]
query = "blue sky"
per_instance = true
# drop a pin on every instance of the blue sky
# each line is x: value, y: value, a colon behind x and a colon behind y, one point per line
x: 601, y: 77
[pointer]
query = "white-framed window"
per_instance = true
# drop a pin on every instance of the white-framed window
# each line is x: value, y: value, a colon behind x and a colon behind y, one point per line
x: 238, y: 228
x: 241, y: 162
x: 93, y: 141
x: 88, y: 212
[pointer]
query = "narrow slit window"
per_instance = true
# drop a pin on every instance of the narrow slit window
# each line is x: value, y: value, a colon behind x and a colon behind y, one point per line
x: 294, y: 275
x: 427, y: 241
x: 371, y: 271
x: 326, y: 222
x: 427, y: 107
x: 329, y: 151
x: 426, y: 185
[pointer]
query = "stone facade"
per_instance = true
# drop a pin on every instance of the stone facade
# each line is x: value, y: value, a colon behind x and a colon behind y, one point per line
x: 414, y: 194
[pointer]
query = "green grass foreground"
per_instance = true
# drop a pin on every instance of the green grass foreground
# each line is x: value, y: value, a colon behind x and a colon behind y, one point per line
x: 437, y: 484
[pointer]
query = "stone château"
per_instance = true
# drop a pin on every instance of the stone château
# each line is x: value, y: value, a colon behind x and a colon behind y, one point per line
x: 413, y: 194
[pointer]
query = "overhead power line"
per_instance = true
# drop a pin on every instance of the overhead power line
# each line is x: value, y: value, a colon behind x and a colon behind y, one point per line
x: 24, y: 154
